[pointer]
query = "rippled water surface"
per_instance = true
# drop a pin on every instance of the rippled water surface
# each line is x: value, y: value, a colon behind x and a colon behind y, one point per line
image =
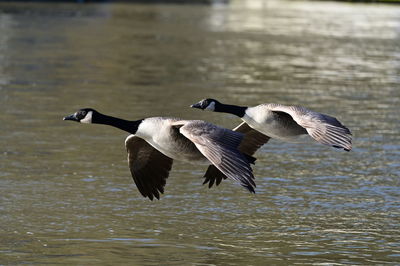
x: 66, y: 195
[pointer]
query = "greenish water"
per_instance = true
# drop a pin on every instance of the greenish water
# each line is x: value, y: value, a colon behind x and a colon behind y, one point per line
x: 66, y: 195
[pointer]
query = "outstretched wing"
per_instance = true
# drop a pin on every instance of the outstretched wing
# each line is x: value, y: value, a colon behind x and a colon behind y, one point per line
x: 323, y: 128
x: 251, y: 142
x: 149, y: 167
x: 220, y: 147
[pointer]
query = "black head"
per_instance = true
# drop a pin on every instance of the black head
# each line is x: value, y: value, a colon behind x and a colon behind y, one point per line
x: 206, y: 104
x: 84, y: 115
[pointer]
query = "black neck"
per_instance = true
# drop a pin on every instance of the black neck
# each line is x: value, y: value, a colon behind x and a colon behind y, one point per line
x: 129, y: 126
x: 231, y: 109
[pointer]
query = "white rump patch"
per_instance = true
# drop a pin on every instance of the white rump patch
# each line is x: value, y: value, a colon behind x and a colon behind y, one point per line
x: 88, y: 118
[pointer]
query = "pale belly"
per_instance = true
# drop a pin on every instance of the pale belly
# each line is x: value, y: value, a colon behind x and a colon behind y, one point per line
x: 276, y: 129
x: 180, y: 150
x: 158, y: 133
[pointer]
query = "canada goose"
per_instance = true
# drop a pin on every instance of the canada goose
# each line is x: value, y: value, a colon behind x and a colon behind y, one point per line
x: 286, y: 122
x: 251, y: 142
x: 157, y: 141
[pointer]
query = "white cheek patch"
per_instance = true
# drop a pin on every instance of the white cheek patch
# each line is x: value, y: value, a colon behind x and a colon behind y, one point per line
x: 210, y: 107
x: 88, y: 118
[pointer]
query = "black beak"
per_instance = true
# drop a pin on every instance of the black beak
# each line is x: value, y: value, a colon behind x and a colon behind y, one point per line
x: 196, y: 105
x: 71, y: 117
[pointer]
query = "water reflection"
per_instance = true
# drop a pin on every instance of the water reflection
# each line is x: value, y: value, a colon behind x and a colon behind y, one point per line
x: 5, y: 25
x: 65, y: 190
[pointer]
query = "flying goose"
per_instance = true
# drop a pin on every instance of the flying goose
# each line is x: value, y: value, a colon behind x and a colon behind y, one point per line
x: 252, y: 141
x: 286, y: 122
x: 156, y: 141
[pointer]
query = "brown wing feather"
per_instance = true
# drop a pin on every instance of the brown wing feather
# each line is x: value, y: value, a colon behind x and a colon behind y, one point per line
x: 323, y: 128
x: 149, y: 167
x: 220, y: 147
x: 251, y: 142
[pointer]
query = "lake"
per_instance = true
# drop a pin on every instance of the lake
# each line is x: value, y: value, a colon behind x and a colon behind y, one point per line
x: 66, y: 194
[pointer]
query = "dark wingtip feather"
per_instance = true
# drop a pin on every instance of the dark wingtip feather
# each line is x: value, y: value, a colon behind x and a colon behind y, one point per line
x: 157, y: 195
x: 218, y: 180
x: 211, y: 183
x: 340, y: 147
x: 250, y: 158
x: 250, y: 188
x: 213, y: 175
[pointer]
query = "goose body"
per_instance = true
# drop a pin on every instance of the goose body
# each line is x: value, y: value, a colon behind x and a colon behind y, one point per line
x: 273, y: 124
x: 160, y: 133
x: 286, y: 123
x: 156, y: 141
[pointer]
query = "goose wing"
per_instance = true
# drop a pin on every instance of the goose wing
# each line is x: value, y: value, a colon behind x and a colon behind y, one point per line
x: 323, y: 128
x: 149, y: 167
x: 251, y: 142
x: 220, y: 147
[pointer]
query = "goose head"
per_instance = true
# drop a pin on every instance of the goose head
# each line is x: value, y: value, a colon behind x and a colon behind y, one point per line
x: 207, y: 104
x: 85, y: 115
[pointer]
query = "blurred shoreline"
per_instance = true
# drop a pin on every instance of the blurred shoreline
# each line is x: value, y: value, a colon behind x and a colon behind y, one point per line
x: 204, y: 2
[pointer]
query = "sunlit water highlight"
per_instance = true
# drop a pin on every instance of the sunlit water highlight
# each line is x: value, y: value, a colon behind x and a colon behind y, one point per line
x: 65, y: 190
